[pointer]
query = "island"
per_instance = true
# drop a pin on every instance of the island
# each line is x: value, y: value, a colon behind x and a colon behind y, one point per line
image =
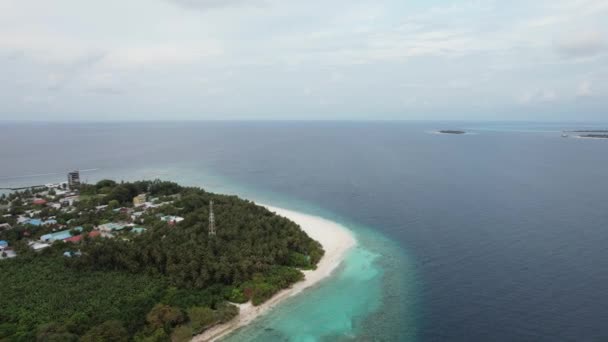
x: 591, y: 134
x: 450, y: 131
x: 594, y: 136
x: 150, y: 261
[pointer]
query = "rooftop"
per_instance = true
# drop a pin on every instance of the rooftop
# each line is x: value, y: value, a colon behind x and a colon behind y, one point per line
x: 112, y: 226
x: 61, y: 235
x: 77, y: 238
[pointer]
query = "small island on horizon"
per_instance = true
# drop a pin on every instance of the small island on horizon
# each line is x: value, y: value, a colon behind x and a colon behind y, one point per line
x: 591, y: 134
x: 451, y: 131
x: 595, y: 136
x: 142, y: 261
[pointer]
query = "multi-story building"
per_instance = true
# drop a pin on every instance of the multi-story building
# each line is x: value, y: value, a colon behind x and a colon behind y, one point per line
x: 73, y: 179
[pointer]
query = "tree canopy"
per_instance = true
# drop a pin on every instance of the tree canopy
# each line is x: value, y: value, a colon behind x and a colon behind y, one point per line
x: 170, y: 281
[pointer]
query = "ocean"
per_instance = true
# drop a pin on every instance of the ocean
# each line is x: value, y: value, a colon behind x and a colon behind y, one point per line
x: 497, y: 235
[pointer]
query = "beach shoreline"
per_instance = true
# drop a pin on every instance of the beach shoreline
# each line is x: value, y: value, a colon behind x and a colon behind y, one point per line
x: 336, y: 241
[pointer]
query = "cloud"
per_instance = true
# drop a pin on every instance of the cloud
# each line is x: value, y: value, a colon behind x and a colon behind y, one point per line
x: 366, y: 55
x: 47, y: 48
x: 584, y: 89
x: 65, y: 72
x: 106, y: 91
x: 582, y: 44
x: 538, y: 96
x: 213, y: 4
x: 160, y: 55
x: 38, y: 99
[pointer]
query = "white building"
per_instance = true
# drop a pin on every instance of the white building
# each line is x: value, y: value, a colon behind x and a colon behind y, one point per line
x: 172, y: 219
x: 37, y: 246
x: 55, y: 205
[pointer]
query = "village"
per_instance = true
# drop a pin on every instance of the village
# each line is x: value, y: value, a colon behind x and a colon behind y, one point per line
x: 59, y: 213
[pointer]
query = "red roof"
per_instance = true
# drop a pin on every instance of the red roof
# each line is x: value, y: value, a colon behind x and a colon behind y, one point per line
x: 74, y: 239
x: 77, y: 238
x: 39, y: 201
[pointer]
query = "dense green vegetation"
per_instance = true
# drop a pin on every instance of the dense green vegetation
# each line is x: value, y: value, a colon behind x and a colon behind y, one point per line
x: 168, y: 283
x: 40, y: 294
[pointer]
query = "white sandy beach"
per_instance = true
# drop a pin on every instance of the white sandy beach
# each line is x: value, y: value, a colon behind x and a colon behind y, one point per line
x: 336, y: 241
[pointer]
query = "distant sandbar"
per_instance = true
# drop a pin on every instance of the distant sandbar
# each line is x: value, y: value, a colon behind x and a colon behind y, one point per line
x: 451, y: 131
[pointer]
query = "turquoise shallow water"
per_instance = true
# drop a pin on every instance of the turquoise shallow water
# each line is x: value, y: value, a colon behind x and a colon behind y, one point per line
x: 328, y: 310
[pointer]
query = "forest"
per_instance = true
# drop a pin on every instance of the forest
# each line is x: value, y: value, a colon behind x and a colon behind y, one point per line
x: 167, y: 284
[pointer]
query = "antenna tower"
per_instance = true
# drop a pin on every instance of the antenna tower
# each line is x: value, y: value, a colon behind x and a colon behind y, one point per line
x: 211, y: 220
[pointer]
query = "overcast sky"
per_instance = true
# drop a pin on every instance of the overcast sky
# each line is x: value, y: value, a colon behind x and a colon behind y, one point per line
x: 313, y: 59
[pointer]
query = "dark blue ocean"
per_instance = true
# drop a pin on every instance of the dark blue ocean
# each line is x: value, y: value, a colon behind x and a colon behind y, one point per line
x: 498, y: 235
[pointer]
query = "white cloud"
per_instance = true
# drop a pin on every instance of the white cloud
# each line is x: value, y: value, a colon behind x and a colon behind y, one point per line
x: 582, y: 44
x: 538, y: 96
x: 159, y: 55
x: 584, y: 89
x: 212, y: 4
x: 361, y: 55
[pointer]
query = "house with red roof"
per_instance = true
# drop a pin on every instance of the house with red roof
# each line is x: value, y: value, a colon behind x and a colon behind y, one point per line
x: 39, y: 201
x: 78, y: 238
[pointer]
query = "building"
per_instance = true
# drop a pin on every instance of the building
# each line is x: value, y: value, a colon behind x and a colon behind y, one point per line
x: 139, y: 200
x: 39, y: 201
x: 111, y: 227
x: 49, y: 222
x: 55, y: 205
x: 60, y: 192
x: 136, y: 215
x: 172, y: 219
x: 138, y: 230
x: 34, y: 222
x: 69, y: 254
x: 61, y: 235
x: 38, y: 246
x: 3, y: 245
x: 78, y: 238
x: 73, y: 179
x: 5, y: 226
x: 7, y: 253
x: 22, y: 220
x: 123, y: 210
x: 70, y: 200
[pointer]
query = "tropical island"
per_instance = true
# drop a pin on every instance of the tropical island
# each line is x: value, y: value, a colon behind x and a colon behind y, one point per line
x: 451, y: 131
x: 146, y: 261
x: 592, y: 134
x: 595, y: 136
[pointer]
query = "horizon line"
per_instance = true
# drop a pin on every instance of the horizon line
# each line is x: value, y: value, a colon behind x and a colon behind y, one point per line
x: 59, y: 121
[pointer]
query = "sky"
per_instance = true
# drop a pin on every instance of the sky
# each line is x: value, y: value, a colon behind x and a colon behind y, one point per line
x: 541, y: 60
